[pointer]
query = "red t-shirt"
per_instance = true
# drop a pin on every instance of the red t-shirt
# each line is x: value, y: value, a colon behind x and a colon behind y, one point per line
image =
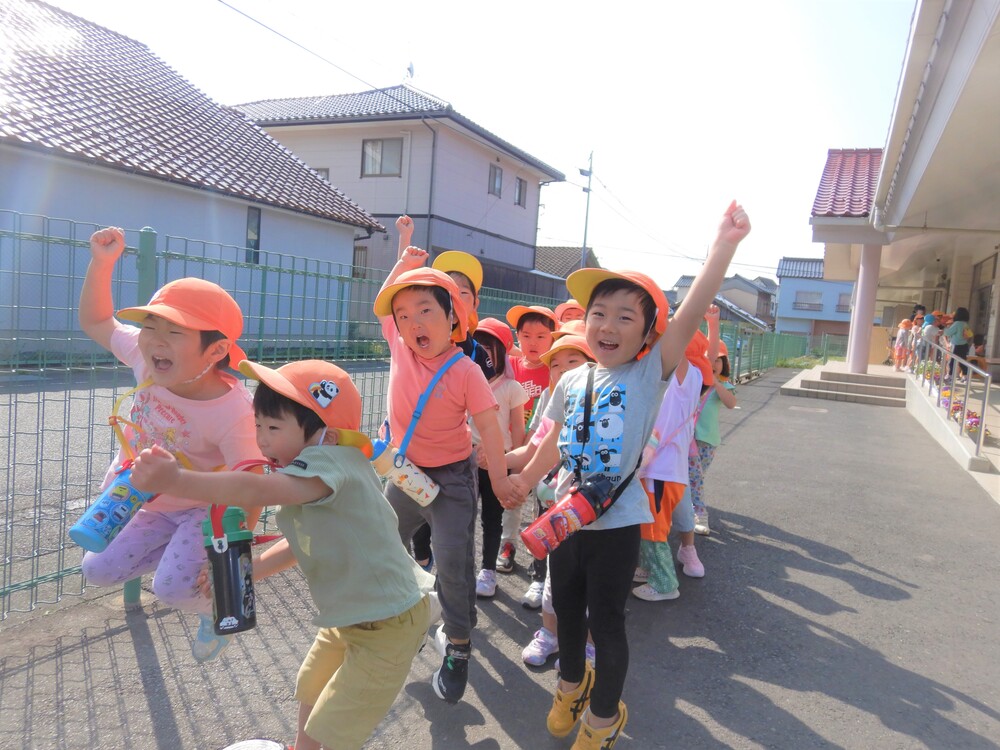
x: 534, y: 380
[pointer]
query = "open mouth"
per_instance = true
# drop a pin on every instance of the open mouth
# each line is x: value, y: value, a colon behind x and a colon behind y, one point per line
x: 161, y: 364
x: 607, y: 346
x: 423, y: 342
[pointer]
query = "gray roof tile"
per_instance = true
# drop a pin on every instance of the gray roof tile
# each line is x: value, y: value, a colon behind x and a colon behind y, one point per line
x: 801, y: 268
x: 79, y: 90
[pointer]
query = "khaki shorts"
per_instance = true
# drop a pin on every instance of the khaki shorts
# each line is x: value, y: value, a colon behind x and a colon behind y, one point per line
x: 352, y: 675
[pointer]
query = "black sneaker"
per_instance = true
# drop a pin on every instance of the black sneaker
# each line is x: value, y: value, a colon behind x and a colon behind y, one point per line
x: 450, y: 680
x: 505, y: 560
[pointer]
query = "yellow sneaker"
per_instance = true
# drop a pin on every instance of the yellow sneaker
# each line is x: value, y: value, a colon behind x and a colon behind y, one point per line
x: 589, y: 738
x: 567, y: 708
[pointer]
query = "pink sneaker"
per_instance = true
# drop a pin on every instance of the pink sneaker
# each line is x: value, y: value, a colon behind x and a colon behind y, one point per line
x: 688, y: 557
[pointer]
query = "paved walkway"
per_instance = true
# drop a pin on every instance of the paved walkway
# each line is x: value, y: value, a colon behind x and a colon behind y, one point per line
x: 852, y: 601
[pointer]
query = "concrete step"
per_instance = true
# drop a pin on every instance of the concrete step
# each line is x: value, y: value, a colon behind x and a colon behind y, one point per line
x: 829, y: 395
x: 886, y: 381
x: 852, y: 387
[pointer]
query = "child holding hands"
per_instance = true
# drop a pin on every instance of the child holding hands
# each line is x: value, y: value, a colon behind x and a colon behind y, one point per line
x: 186, y: 403
x: 422, y: 316
x: 371, y: 596
x: 592, y: 570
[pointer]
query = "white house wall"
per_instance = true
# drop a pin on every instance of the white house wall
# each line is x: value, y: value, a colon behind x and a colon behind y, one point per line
x: 467, y: 216
x: 40, y: 280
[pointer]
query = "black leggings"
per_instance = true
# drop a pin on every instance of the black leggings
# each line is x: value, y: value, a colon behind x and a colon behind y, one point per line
x: 491, y: 517
x: 422, y: 543
x: 592, y: 571
x: 959, y: 350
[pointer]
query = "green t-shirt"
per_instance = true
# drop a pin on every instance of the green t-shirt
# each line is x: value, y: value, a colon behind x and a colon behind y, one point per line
x: 347, y: 543
x: 707, y: 428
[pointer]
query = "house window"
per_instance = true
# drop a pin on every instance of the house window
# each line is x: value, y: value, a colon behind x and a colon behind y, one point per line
x: 844, y: 303
x: 496, y: 180
x: 359, y: 264
x: 323, y: 172
x: 382, y: 157
x: 253, y: 235
x: 520, y: 192
x: 808, y: 301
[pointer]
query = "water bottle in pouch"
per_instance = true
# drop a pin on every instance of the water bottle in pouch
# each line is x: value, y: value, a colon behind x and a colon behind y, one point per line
x: 228, y: 542
x: 109, y: 514
x: 402, y: 473
x: 583, y: 504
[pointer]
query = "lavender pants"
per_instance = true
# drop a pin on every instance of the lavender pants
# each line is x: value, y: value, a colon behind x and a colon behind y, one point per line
x: 171, y: 544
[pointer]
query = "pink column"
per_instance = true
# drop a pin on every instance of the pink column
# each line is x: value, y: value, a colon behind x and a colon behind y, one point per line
x: 863, y: 318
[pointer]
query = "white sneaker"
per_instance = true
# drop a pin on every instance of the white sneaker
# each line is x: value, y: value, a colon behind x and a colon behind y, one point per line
x: 542, y: 646
x: 688, y: 557
x: 532, y: 598
x: 649, y: 594
x: 486, y: 584
x: 701, y: 523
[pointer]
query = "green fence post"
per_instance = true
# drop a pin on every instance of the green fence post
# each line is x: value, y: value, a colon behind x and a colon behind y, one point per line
x: 145, y: 267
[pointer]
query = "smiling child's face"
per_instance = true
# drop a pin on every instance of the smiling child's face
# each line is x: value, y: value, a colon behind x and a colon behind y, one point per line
x: 616, y: 328
x: 174, y: 354
x: 424, y: 325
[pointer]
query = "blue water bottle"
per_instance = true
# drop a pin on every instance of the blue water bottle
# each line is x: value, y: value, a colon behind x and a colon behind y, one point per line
x: 110, y: 512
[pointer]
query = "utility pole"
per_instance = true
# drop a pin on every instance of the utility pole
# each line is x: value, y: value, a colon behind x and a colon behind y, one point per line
x: 588, y: 173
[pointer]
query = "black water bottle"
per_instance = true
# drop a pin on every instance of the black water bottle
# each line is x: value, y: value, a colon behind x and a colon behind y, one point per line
x: 228, y: 542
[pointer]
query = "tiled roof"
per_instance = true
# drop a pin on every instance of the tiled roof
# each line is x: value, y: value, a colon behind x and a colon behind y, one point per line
x: 562, y: 261
x: 74, y: 89
x: 683, y: 281
x: 766, y: 283
x: 847, y: 187
x: 394, y: 103
x: 801, y: 268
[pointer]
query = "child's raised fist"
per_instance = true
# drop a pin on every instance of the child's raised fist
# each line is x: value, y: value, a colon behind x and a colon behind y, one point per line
x: 404, y: 225
x: 107, y: 244
x: 413, y: 257
x: 735, y: 224
x: 712, y: 313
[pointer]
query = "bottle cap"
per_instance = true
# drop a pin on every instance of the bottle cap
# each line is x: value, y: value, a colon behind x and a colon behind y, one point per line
x: 233, y: 527
x: 378, y: 448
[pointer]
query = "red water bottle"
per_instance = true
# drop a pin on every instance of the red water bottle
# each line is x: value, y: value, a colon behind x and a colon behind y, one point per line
x: 583, y: 504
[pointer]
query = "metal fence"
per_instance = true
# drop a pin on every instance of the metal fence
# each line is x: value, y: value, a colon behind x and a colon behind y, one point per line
x: 57, y: 387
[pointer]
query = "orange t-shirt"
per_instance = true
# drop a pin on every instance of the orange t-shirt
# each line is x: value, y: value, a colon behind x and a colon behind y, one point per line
x: 442, y: 435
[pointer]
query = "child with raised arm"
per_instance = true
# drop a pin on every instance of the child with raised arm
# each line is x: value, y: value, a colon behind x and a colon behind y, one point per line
x: 186, y: 402
x: 371, y: 596
x: 422, y: 316
x: 467, y: 273
x: 592, y: 570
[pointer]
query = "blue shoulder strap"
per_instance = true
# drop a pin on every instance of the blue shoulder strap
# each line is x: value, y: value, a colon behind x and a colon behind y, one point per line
x: 421, y: 403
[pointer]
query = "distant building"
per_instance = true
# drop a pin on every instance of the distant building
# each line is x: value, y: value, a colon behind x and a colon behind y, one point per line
x: 807, y: 303
x: 400, y: 150
x: 740, y: 299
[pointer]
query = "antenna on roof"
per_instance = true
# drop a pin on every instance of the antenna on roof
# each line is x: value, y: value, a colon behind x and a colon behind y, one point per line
x: 409, y: 71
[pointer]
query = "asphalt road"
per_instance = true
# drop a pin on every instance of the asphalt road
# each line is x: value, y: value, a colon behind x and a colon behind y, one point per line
x: 851, y: 601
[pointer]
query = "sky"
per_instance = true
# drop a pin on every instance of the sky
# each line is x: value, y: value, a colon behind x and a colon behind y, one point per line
x: 684, y: 106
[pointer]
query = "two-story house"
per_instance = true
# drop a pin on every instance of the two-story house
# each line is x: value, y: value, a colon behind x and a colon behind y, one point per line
x: 740, y: 299
x: 399, y: 150
x: 807, y: 303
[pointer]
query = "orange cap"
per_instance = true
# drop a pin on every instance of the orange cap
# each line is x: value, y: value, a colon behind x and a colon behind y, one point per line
x: 196, y: 304
x: 499, y: 330
x: 464, y: 263
x: 322, y: 387
x: 517, y: 312
x: 723, y: 349
x: 567, y: 342
x: 581, y: 285
x: 570, y: 304
x: 570, y: 328
x: 696, y: 354
x: 906, y: 324
x: 427, y: 277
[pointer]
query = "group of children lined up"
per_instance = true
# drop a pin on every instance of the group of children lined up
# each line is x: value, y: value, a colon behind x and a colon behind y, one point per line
x: 915, y: 334
x: 574, y: 403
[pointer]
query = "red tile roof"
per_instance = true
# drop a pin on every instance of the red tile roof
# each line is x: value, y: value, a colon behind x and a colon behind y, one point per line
x: 377, y: 105
x: 78, y: 90
x: 847, y: 188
